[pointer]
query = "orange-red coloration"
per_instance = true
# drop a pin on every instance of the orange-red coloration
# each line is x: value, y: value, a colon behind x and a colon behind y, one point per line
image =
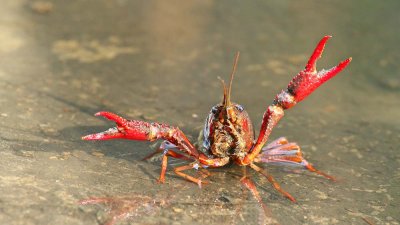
x: 228, y: 132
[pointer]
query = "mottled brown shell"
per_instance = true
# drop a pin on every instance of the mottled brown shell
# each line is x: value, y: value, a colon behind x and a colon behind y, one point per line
x: 228, y: 132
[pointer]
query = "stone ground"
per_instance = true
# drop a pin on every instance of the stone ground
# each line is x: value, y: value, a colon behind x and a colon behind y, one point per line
x: 62, y: 61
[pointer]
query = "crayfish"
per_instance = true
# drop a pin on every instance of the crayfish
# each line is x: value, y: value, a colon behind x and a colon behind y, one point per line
x: 228, y: 134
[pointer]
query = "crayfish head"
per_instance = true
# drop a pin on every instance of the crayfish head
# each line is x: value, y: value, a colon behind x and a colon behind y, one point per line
x: 228, y: 130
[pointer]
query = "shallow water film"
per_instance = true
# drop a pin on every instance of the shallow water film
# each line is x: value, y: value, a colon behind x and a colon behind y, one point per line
x: 63, y: 61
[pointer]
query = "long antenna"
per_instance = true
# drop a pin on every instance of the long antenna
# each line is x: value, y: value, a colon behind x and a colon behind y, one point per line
x: 228, y: 98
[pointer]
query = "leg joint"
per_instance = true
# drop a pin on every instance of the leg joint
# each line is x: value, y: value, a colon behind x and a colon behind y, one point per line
x: 285, y: 99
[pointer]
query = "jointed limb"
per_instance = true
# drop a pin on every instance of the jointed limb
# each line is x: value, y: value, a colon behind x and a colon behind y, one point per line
x: 252, y: 187
x: 144, y: 131
x: 165, y: 162
x: 178, y: 170
x: 282, y: 152
x: 167, y: 149
x: 299, y: 88
x: 249, y: 184
x: 311, y: 168
x: 270, y: 119
x: 272, y: 181
x: 203, y: 162
x: 163, y: 147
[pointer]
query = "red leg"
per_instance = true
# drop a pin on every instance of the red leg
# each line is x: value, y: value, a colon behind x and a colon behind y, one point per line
x: 282, y: 152
x: 165, y: 162
x: 203, y: 173
x: 299, y: 88
x: 163, y: 168
x: 273, y: 182
x: 165, y: 145
x: 143, y: 131
x: 312, y: 169
x: 252, y: 187
x: 178, y: 170
x: 203, y: 162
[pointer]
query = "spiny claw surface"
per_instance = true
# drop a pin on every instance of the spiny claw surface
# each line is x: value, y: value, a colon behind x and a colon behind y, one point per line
x: 127, y: 129
x: 311, y: 65
x: 111, y: 133
x: 310, y: 79
x: 111, y: 116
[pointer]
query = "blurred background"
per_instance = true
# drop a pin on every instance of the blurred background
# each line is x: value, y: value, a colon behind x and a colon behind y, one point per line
x: 62, y: 61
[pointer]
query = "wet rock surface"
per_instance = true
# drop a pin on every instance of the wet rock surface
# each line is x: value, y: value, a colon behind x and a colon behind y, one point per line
x: 62, y: 61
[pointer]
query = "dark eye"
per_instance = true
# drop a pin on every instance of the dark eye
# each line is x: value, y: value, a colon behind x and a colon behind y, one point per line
x: 214, y: 109
x: 239, y: 108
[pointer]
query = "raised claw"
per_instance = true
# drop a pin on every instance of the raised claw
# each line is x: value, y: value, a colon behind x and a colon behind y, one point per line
x: 309, y: 79
x: 302, y: 85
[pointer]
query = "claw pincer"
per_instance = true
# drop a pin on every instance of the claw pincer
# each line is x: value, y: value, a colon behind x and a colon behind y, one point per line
x: 309, y: 79
x: 142, y: 131
x: 298, y: 89
x: 128, y: 129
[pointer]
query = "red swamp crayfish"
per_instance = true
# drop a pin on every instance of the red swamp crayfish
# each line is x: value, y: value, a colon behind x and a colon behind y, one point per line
x: 228, y: 132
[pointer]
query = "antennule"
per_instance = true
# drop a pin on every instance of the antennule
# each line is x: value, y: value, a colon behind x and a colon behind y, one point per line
x: 224, y: 89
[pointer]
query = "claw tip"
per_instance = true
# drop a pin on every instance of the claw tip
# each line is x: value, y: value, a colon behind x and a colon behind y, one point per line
x: 85, y: 137
x: 326, y: 37
x: 346, y: 62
